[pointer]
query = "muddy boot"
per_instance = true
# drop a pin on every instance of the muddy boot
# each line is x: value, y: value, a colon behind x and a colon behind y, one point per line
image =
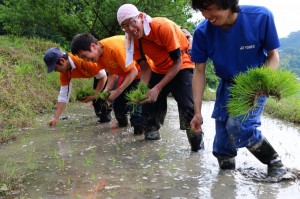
x: 103, y: 112
x: 97, y: 107
x: 226, y: 163
x: 138, y: 130
x: 196, y: 141
x: 123, y: 122
x: 152, y: 135
x: 104, y: 118
x: 265, y: 153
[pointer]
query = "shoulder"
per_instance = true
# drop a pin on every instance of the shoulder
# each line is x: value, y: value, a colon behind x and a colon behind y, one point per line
x: 161, y: 21
x: 205, y: 27
x: 116, y: 38
x: 256, y: 10
x: 113, y: 43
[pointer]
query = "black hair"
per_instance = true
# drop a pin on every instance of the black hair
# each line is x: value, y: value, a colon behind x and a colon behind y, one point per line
x: 200, y: 5
x: 82, y: 42
x: 64, y: 56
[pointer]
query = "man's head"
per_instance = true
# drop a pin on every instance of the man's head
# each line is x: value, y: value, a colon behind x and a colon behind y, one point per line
x: 221, y: 4
x: 86, y: 46
x: 53, y: 57
x: 131, y: 20
x: 221, y: 13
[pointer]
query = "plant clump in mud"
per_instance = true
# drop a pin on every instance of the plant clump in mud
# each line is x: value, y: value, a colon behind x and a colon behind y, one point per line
x: 257, y: 82
x: 7, y: 136
x: 137, y: 95
x: 10, y: 183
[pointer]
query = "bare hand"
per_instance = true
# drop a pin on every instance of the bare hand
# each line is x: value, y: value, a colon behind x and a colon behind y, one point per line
x: 52, y: 122
x: 88, y: 99
x: 196, y: 123
x: 152, y: 96
x: 113, y: 95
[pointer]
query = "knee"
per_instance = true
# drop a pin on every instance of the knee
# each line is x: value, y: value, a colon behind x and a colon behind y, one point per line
x: 233, y: 125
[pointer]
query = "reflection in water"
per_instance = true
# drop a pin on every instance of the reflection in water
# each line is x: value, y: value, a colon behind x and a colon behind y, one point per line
x: 80, y: 159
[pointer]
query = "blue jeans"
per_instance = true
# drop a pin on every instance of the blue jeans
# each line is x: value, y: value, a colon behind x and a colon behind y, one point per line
x: 238, y: 132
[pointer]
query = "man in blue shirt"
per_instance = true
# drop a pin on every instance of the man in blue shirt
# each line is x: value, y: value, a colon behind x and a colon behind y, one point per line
x: 235, y: 38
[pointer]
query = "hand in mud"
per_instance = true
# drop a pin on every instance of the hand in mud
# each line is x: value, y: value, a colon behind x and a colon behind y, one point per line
x: 152, y: 96
x: 52, y: 122
x: 196, y: 123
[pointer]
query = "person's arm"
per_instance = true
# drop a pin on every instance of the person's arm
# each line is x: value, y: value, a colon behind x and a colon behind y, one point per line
x: 130, y: 76
x: 63, y: 98
x: 189, y: 36
x: 112, y: 81
x: 59, y: 109
x: 145, y: 72
x: 100, y: 85
x: 272, y: 59
x: 198, y: 86
x: 172, y: 72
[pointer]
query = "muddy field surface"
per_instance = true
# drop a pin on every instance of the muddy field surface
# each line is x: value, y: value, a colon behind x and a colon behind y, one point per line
x: 82, y: 159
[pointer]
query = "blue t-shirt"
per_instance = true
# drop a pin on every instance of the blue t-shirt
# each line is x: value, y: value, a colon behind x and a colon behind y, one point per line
x: 235, y: 50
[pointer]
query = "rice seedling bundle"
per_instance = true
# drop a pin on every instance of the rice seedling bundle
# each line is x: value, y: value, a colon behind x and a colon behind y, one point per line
x: 137, y: 95
x: 255, y: 82
x: 104, y: 95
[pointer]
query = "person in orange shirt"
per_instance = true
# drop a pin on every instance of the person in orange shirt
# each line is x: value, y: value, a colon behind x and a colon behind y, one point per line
x: 166, y: 45
x: 109, y: 54
x: 71, y: 66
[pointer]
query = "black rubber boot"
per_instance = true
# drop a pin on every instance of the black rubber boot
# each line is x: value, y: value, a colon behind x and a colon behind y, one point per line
x: 226, y: 163
x: 102, y: 110
x: 123, y: 122
x: 138, y: 130
x: 265, y: 153
x: 196, y: 141
x: 104, y: 118
x: 97, y: 107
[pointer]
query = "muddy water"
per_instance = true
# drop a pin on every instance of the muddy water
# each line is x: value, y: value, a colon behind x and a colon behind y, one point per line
x: 80, y: 159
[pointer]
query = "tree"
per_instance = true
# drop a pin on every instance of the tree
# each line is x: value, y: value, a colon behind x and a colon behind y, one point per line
x: 60, y: 20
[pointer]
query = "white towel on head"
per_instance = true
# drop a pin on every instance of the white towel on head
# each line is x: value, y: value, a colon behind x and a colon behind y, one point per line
x: 129, y: 41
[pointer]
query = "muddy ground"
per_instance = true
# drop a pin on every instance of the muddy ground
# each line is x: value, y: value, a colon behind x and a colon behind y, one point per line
x: 82, y: 159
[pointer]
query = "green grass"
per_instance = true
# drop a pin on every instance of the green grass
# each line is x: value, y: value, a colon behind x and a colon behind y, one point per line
x: 26, y: 88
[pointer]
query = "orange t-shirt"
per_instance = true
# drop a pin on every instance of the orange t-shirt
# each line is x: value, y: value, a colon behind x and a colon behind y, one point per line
x: 114, y: 56
x: 165, y: 36
x: 82, y: 69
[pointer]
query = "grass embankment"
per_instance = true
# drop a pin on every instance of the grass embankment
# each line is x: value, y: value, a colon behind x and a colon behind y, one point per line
x: 26, y: 88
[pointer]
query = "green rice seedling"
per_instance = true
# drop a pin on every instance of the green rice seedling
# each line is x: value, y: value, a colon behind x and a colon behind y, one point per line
x: 143, y: 156
x: 140, y: 186
x: 104, y: 95
x: 118, y: 148
x: 114, y: 161
x: 31, y: 161
x: 93, y: 176
x: 69, y: 183
x: 162, y: 154
x: 137, y: 95
x: 84, y: 92
x: 61, y: 164
x: 256, y: 82
x: 89, y: 161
